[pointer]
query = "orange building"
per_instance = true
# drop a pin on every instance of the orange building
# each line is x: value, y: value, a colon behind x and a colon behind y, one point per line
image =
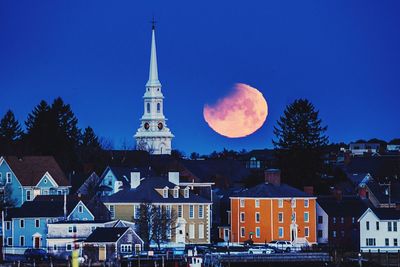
x: 273, y: 211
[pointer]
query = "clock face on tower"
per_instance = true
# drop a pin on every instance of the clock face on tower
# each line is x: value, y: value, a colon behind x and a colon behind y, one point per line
x: 160, y: 126
x: 146, y: 126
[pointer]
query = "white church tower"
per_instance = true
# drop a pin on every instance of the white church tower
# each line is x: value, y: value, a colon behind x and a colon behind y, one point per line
x: 153, y: 134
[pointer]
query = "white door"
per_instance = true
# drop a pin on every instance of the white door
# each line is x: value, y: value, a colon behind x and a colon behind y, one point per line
x: 180, y: 230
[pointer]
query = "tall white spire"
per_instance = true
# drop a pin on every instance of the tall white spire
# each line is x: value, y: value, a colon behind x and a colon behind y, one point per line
x: 153, y: 73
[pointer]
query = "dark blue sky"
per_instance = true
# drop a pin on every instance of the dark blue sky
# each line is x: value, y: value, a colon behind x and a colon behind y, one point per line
x: 342, y: 55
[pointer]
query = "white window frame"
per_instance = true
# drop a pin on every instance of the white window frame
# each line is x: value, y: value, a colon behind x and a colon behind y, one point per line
x: 242, y: 202
x: 242, y: 217
x: 280, y: 219
x: 201, y: 231
x: 306, y: 203
x: 124, y: 248
x: 201, y: 214
x: 280, y: 203
x: 281, y: 232
x: 186, y: 193
x: 112, y: 211
x: 257, y: 203
x: 306, y: 231
x: 55, y: 248
x: 293, y: 203
x: 22, y: 241
x: 30, y: 191
x: 66, y: 247
x: 165, y: 193
x: 258, y: 232
x: 308, y: 216
x: 257, y: 220
x: 37, y: 223
x: 80, y: 209
x: 191, y: 211
x: 192, y: 230
x: 242, y: 232
x: 180, y: 211
x: 176, y: 192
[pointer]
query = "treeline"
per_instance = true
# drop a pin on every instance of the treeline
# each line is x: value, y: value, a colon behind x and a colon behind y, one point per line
x: 50, y: 129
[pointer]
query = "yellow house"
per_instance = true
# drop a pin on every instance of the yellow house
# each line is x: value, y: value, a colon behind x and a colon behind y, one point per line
x: 193, y: 223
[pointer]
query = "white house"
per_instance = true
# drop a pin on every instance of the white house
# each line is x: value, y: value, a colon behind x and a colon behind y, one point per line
x: 379, y: 230
x: 322, y: 225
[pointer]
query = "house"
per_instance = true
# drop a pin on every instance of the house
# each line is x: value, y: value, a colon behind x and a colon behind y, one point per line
x: 26, y: 226
x: 379, y: 230
x: 337, y: 220
x: 193, y: 212
x: 110, y: 243
x: 272, y: 211
x: 65, y: 235
x: 359, y: 148
x: 24, y: 178
x: 381, y: 194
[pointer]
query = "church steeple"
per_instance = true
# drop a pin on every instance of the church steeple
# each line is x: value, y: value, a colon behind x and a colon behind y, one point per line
x: 153, y: 73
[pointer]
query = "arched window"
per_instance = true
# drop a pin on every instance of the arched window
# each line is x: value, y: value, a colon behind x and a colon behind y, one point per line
x: 158, y: 107
x: 148, y: 107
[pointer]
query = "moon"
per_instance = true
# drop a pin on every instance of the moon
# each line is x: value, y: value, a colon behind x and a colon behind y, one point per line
x: 242, y: 112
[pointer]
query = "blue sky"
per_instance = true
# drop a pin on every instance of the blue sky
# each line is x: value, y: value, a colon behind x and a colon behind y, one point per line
x: 344, y: 56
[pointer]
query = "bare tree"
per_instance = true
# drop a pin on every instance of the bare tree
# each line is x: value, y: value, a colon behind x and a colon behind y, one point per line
x: 163, y: 222
x: 143, y: 222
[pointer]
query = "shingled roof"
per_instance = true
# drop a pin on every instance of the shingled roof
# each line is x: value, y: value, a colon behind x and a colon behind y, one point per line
x: 30, y: 169
x: 268, y: 190
x: 346, y: 206
x: 106, y: 234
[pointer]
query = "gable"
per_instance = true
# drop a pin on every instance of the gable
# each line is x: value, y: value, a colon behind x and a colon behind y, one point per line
x: 80, y: 213
x: 47, y: 181
x: 108, y: 178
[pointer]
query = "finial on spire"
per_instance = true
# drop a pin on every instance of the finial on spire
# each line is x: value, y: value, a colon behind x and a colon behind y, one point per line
x: 153, y: 74
x: 153, y: 23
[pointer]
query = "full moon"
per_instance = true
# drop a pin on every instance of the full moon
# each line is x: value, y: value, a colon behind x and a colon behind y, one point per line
x: 238, y: 114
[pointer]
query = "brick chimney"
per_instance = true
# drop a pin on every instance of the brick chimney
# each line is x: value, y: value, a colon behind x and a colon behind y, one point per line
x: 273, y: 176
x: 338, y: 194
x: 309, y: 190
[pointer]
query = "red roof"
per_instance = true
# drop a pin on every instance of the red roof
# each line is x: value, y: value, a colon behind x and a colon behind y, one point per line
x: 29, y: 170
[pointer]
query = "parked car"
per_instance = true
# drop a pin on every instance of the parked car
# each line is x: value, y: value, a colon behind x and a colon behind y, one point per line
x: 281, y: 244
x: 261, y: 250
x: 35, y: 254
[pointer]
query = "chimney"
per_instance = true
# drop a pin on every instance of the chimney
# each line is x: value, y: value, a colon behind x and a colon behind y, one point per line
x: 309, y: 190
x: 273, y: 176
x: 173, y: 177
x: 338, y: 194
x: 135, y: 179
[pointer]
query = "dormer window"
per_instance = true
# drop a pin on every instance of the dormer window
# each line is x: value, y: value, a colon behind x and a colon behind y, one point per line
x: 176, y: 192
x: 186, y: 193
x: 165, y: 192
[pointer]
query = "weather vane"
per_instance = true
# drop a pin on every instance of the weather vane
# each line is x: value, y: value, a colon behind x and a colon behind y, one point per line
x: 153, y: 23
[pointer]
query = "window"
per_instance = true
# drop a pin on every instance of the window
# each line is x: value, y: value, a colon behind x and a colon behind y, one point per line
x: 191, y: 211
x: 293, y: 203
x: 370, y: 242
x: 280, y: 217
x: 37, y: 223
x: 28, y: 195
x: 176, y: 192
x: 342, y: 233
x: 1, y: 176
x: 257, y: 203
x: 148, y: 107
x: 186, y: 193
x: 389, y: 225
x: 180, y: 211
x: 21, y: 223
x: 242, y: 203
x: 242, y: 217
x: 8, y: 225
x: 280, y: 203
x: 334, y: 220
x: 22, y: 241
x: 68, y: 247
x: 9, y: 241
x: 136, y: 210
x: 59, y: 192
x: 165, y: 193
x: 72, y: 229
x: 280, y: 232
x: 258, y: 232
x: 55, y: 247
x: 8, y: 177
x: 319, y: 233
x: 341, y: 220
x: 93, y: 228
x: 257, y: 217
x: 201, y: 231
x: 334, y: 234
x: 45, y: 192
x: 377, y: 225
x: 126, y: 248
x: 242, y: 232
x: 112, y: 211
x: 293, y: 216
x: 306, y: 217
x: 386, y: 242
x: 201, y: 211
x: 158, y: 107
x: 168, y: 211
x: 306, y: 231
x: 191, y: 231
x: 367, y: 225
x: 306, y: 203
x: 353, y: 220
x: 395, y: 242
x: 395, y: 226
x: 320, y: 219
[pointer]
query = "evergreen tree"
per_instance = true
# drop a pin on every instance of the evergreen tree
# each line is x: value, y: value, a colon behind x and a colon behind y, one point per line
x: 89, y: 139
x: 10, y: 133
x: 299, y: 144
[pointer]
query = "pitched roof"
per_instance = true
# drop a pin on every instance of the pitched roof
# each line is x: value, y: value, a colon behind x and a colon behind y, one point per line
x: 378, y: 167
x: 268, y: 190
x: 123, y: 174
x: 30, y: 169
x: 146, y: 192
x: 106, y: 234
x: 386, y: 213
x: 381, y: 191
x: 348, y: 206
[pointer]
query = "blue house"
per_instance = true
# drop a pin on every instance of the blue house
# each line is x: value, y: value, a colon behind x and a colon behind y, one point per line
x: 24, y: 178
x: 26, y: 226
